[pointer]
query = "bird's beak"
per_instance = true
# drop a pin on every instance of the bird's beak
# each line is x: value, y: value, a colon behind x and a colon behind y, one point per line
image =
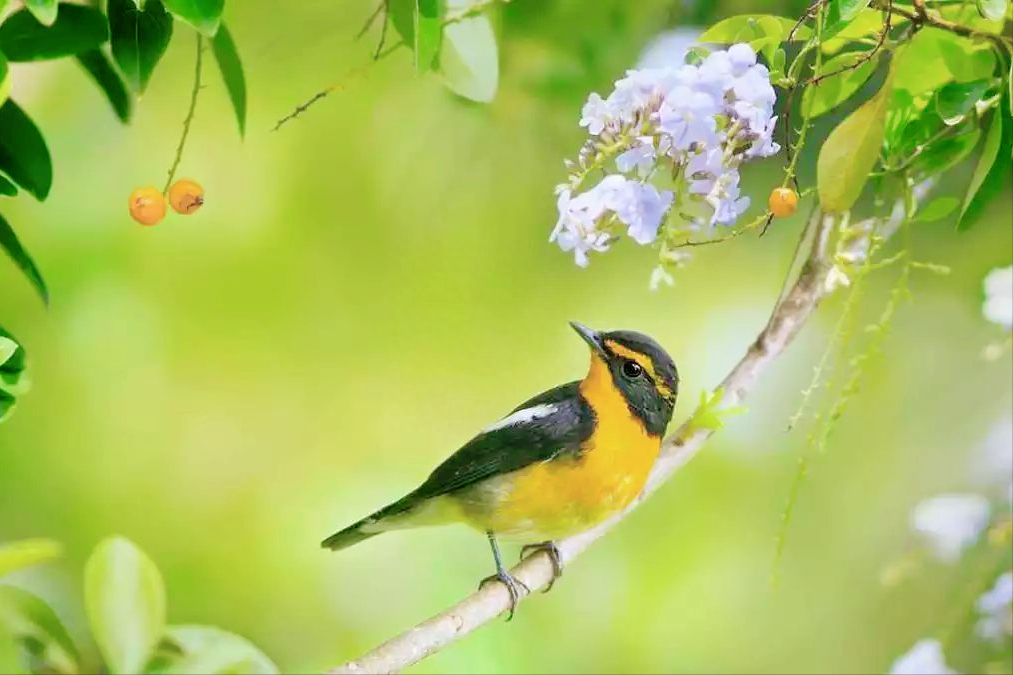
x: 591, y: 337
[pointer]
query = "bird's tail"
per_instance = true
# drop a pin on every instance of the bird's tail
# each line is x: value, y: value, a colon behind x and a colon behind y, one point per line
x: 383, y: 520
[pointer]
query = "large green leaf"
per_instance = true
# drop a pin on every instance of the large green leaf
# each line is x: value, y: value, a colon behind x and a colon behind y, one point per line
x: 942, y: 155
x: 28, y: 552
x: 102, y: 71
x: 840, y: 13
x: 5, y: 79
x: 44, y: 10
x: 750, y: 27
x: 76, y: 29
x: 35, y: 625
x: 23, y: 153
x: 125, y: 602
x: 7, y: 188
x: 204, y: 15
x: 428, y: 32
x: 955, y: 100
x: 830, y: 92
x: 9, y: 243
x: 993, y: 166
x: 13, y: 378
x: 232, y: 73
x: 850, y: 153
x: 139, y: 38
x: 469, y: 61
x: 993, y: 10
x: 205, y: 649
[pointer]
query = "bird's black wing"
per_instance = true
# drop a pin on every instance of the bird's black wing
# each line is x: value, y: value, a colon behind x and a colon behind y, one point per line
x: 566, y: 421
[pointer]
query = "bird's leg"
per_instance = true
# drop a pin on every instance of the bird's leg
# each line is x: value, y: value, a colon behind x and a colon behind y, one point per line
x: 514, y: 586
x: 555, y: 557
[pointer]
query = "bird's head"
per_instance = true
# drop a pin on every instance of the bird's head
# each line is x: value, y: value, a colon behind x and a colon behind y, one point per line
x: 639, y: 368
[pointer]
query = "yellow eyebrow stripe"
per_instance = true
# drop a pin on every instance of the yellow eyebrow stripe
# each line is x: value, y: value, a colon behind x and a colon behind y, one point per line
x: 644, y: 361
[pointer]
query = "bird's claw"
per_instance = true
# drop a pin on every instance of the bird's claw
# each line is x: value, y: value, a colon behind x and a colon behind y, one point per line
x: 555, y: 557
x: 515, y: 587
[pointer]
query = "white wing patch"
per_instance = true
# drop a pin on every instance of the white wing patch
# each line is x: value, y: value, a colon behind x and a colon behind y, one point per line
x: 524, y: 415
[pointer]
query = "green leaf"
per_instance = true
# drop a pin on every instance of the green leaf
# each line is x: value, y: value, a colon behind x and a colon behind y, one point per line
x: 76, y: 29
x: 750, y: 27
x: 101, y: 69
x: 28, y: 552
x: 204, y: 15
x: 5, y: 79
x: 469, y: 61
x: 23, y: 153
x: 125, y: 602
x: 937, y: 209
x: 33, y: 623
x: 13, y: 379
x: 829, y: 93
x: 869, y: 22
x: 9, y: 243
x: 7, y: 188
x: 993, y: 10
x: 990, y: 174
x: 966, y: 60
x: 840, y: 13
x: 139, y: 38
x: 955, y: 100
x: 232, y: 73
x: 942, y: 155
x: 206, y: 649
x: 428, y: 29
x: 44, y: 10
x: 7, y: 402
x: 401, y: 14
x: 850, y: 152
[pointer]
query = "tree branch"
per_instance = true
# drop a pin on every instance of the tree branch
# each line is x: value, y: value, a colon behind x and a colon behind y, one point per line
x: 487, y: 603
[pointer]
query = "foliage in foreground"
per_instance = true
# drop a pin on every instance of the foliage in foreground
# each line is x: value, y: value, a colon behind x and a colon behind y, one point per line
x: 124, y: 600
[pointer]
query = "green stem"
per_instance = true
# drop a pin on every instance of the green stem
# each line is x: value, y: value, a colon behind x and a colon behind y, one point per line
x: 189, y: 115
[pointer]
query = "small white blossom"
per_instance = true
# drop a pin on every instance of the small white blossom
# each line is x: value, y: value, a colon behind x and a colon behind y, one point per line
x: 595, y: 114
x: 997, y: 607
x: 642, y: 209
x: 998, y: 307
x: 950, y: 523
x: 836, y: 278
x: 924, y: 658
x: 639, y: 157
x: 724, y: 198
x: 576, y: 230
x: 688, y: 117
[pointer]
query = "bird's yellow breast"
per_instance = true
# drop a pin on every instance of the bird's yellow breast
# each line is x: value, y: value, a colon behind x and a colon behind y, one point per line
x: 569, y: 494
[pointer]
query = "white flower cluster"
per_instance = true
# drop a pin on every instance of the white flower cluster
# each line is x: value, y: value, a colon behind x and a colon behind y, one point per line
x: 924, y: 658
x: 691, y: 126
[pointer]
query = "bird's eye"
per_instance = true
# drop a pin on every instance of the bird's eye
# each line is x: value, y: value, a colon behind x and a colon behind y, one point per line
x: 632, y: 369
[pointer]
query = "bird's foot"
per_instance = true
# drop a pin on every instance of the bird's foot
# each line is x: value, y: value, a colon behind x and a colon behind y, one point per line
x: 515, y: 587
x: 555, y: 557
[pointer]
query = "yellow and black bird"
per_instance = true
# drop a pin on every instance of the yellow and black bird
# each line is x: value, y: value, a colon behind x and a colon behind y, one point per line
x: 558, y: 464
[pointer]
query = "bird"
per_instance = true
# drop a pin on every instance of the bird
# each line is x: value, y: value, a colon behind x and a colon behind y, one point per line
x: 558, y: 464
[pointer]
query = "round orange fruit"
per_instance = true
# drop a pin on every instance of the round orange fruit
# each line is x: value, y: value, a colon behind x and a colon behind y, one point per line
x: 186, y: 196
x: 147, y: 205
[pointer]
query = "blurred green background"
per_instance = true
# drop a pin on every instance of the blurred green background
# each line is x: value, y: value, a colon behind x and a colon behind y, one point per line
x: 368, y: 286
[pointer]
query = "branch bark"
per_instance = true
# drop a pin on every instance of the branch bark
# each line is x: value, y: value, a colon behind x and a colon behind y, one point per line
x: 492, y: 600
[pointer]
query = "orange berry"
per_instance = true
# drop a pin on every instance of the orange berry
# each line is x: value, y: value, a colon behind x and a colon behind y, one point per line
x: 147, y: 205
x: 782, y: 202
x: 186, y: 196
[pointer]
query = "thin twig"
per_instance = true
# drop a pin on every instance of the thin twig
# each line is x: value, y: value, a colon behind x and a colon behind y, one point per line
x: 922, y: 17
x: 189, y: 115
x: 383, y: 32
x: 380, y: 7
x: 866, y: 56
x: 536, y: 571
